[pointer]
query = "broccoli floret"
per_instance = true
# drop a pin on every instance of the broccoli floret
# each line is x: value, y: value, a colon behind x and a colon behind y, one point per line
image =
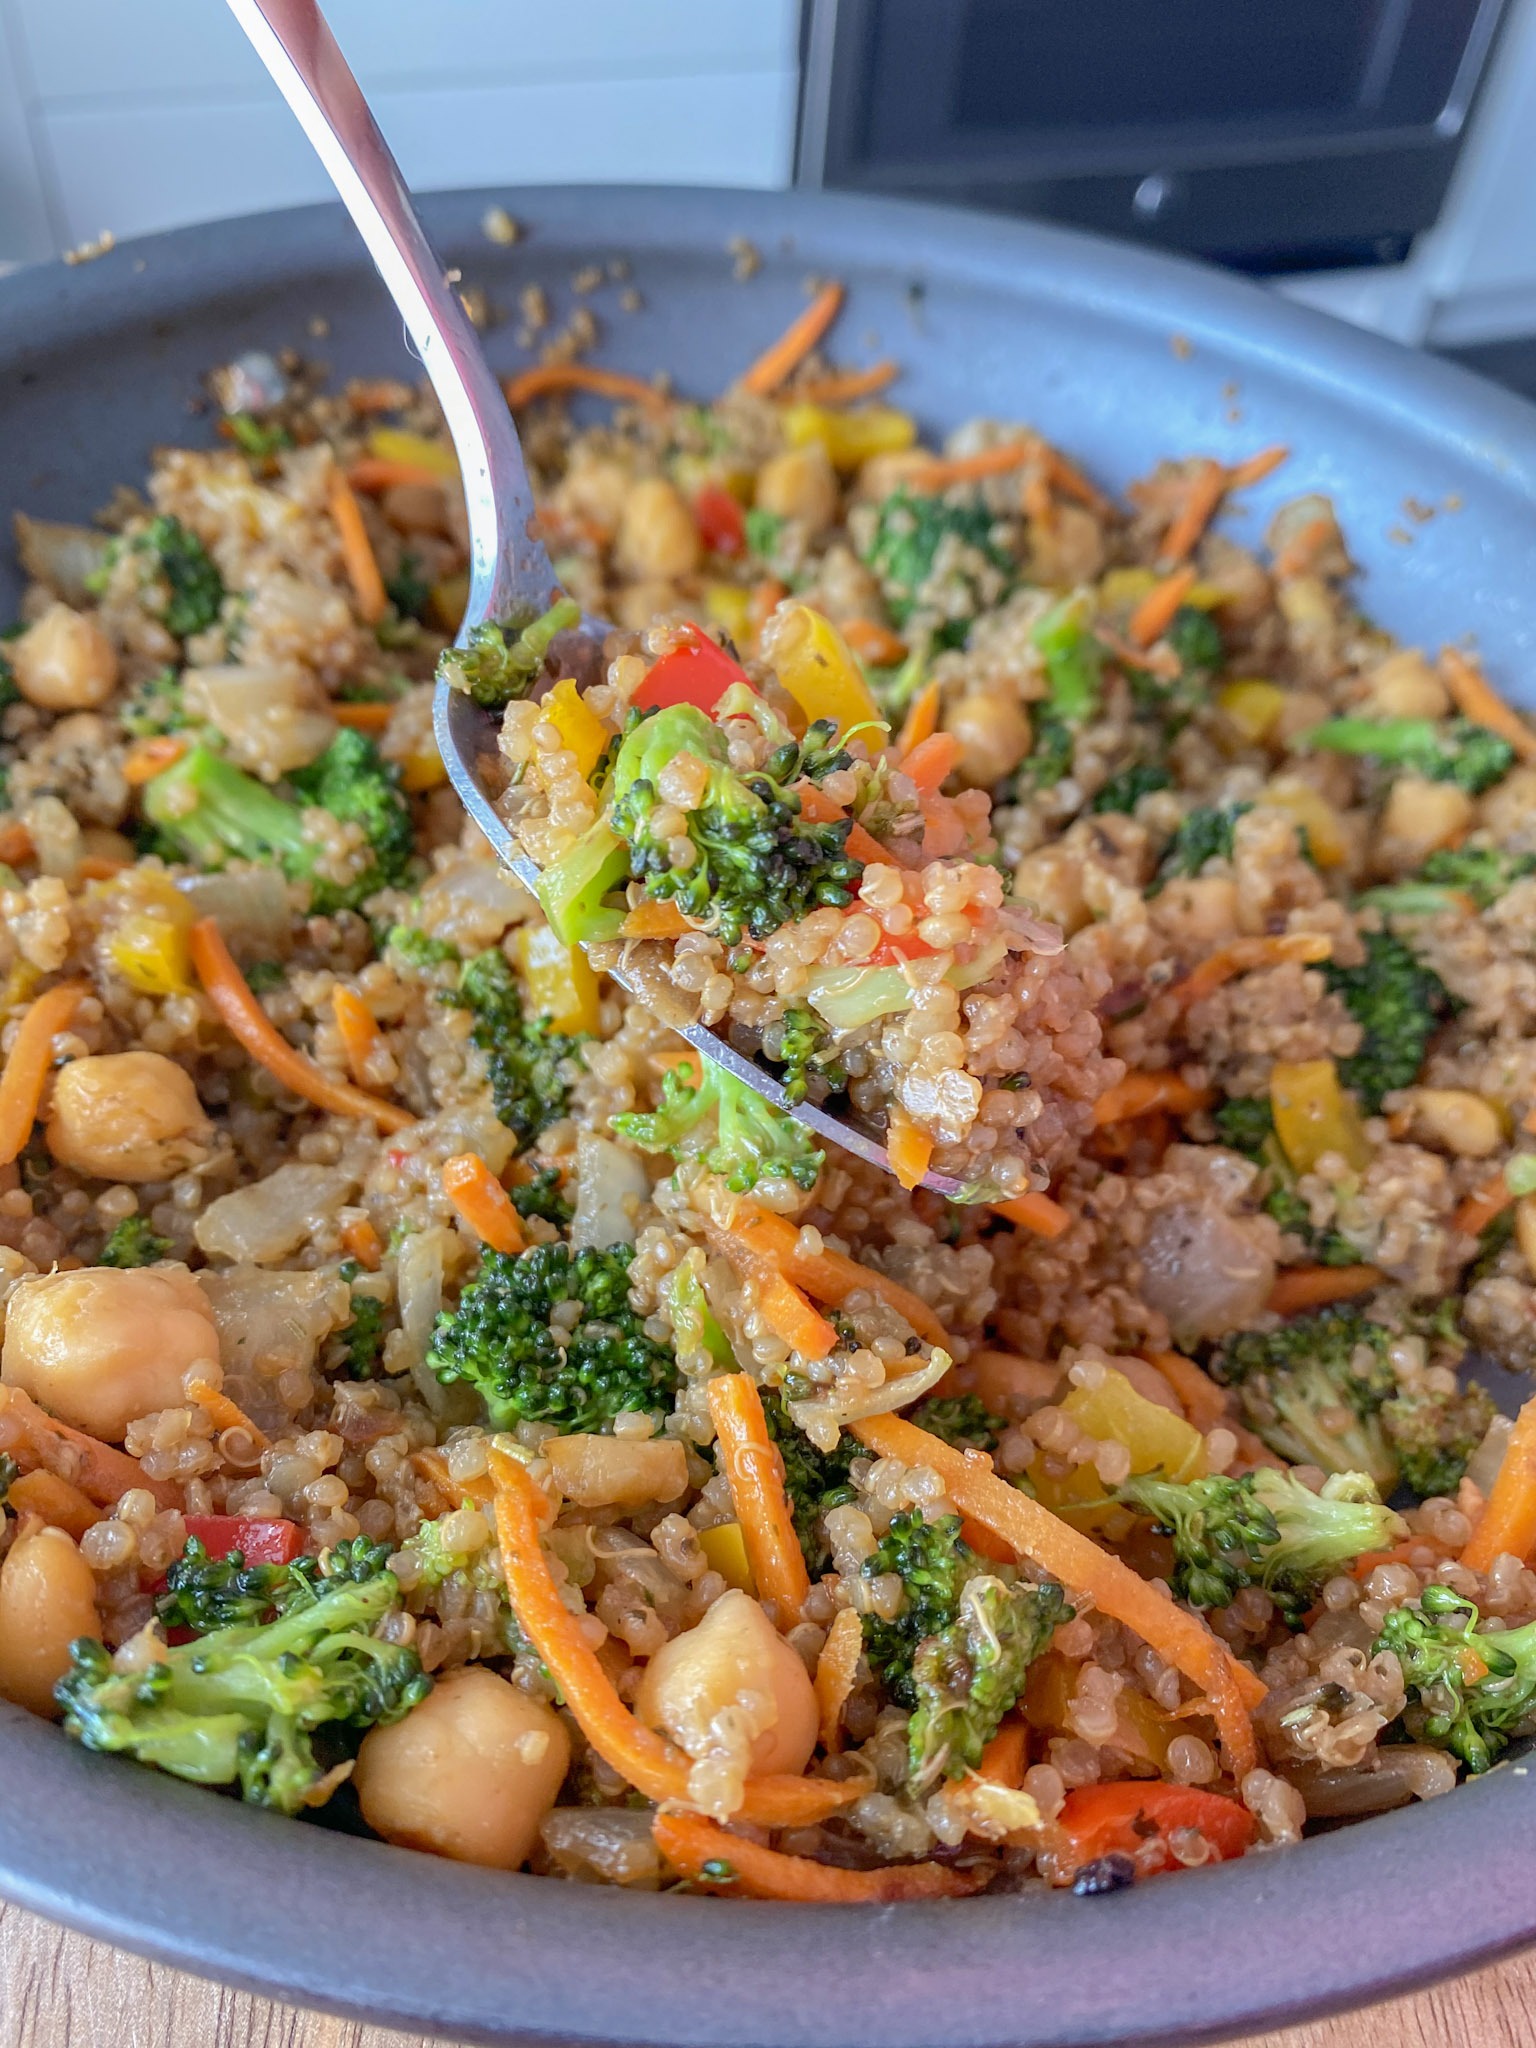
x: 1195, y: 638
x: 262, y: 976
x: 729, y: 1126
x: 904, y: 552
x: 1443, y: 750
x: 933, y: 1562
x: 503, y: 662
x: 757, y: 863
x: 1265, y: 1529
x: 799, y: 1039
x: 500, y: 1341
x: 1123, y: 792
x: 203, y: 1592
x: 244, y: 1704
x: 1434, y: 1435
x: 257, y: 438
x: 207, y: 811
x: 133, y: 1243
x: 541, y: 1196
x: 1397, y: 1003
x: 1206, y: 834
x: 1074, y: 661
x: 1245, y: 1123
x: 523, y: 1055
x: 154, y: 707
x: 960, y: 1419
x: 969, y: 1674
x: 1050, y: 757
x: 1313, y: 1390
x: 408, y: 590
x: 814, y: 1480
x: 418, y: 950
x: 480, y: 1568
x: 763, y: 530
x: 1440, y: 1648
x: 361, y: 1339
x: 1483, y: 873
x: 174, y: 556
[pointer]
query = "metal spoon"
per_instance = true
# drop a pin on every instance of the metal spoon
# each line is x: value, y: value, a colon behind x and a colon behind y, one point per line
x: 510, y: 573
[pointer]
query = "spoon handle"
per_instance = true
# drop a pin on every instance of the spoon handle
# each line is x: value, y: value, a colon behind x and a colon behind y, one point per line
x: 509, y: 569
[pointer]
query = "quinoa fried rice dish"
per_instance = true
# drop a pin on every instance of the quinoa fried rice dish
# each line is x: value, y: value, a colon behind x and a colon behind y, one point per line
x: 426, y: 1386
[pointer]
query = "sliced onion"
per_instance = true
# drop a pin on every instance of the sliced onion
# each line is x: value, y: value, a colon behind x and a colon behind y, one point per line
x: 273, y: 1217
x: 612, y: 1186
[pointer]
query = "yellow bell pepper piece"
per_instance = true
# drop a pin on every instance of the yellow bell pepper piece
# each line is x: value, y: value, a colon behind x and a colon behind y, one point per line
x: 393, y: 444
x: 1143, y: 1730
x: 1123, y: 589
x: 817, y: 667
x: 726, y: 1549
x: 561, y: 986
x: 583, y: 732
x: 1315, y: 1114
x: 447, y: 600
x: 1205, y: 596
x: 146, y: 933
x: 1312, y: 811
x: 423, y: 769
x: 1253, y: 706
x: 730, y: 608
x: 1157, y: 1439
x: 850, y: 438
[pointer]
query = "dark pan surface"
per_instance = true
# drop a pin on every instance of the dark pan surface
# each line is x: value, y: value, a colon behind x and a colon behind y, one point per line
x: 99, y: 363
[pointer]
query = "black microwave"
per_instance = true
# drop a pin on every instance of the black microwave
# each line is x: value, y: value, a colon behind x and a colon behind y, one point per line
x: 1274, y: 135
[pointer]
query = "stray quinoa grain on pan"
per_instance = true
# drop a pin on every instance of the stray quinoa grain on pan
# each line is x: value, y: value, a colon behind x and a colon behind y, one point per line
x: 418, y: 1370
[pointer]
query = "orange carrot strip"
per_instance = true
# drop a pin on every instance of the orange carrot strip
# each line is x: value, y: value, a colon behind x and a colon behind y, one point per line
x: 939, y: 472
x: 921, y: 722
x: 874, y: 643
x: 357, y: 552
x: 1206, y: 489
x: 224, y: 1413
x: 362, y: 1242
x: 362, y: 717
x: 786, y: 355
x: 931, y: 761
x: 1005, y: 1756
x: 841, y: 387
x: 655, y: 921
x: 483, y: 1203
x: 1141, y: 1094
x: 59, y: 1502
x: 101, y: 1471
x: 1037, y: 1213
x: 15, y: 842
x: 148, y: 758
x: 645, y: 1759
x: 246, y: 1021
x: 1154, y: 615
x: 359, y: 1029
x: 1300, y: 1288
x: 704, y: 1853
x: 836, y: 1669
x: 1254, y: 468
x: 31, y: 1056
x: 544, y: 379
x: 1247, y: 956
x: 754, y: 1471
x: 1475, y: 698
x: 1507, y: 1525
x: 1178, y: 1636
x: 96, y: 867
x: 909, y: 1149
x: 787, y: 1312
x: 819, y: 809
x: 1203, y: 1402
x: 1491, y: 1198
x: 371, y: 474
x: 1302, y: 549
x: 832, y: 1276
x: 1070, y: 481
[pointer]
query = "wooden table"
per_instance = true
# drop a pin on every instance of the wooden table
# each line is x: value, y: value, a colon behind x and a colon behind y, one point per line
x: 59, y: 1990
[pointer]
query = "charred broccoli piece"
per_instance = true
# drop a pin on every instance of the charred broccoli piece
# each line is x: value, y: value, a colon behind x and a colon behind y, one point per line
x: 728, y: 1126
x: 1440, y: 1647
x: 133, y: 1243
x: 498, y: 663
x: 1313, y: 1390
x: 1397, y: 1003
x: 1441, y: 750
x: 1433, y: 1435
x: 525, y: 1056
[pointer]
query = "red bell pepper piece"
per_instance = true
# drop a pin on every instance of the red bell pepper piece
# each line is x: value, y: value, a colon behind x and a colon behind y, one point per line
x: 696, y: 671
x: 259, y: 1542
x: 719, y: 519
x: 1135, y: 1818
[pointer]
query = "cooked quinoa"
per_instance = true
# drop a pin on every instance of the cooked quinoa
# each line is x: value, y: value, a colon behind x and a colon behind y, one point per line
x: 637, y: 1491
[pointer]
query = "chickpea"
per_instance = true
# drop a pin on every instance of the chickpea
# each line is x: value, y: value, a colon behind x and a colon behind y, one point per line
x: 657, y: 536
x: 1405, y: 686
x: 47, y: 1601
x: 1199, y: 910
x: 99, y: 1347
x: 799, y: 484
x: 1421, y: 817
x: 127, y: 1116
x: 65, y: 662
x: 468, y: 1774
x: 1051, y: 878
x: 734, y: 1650
x: 1457, y: 1121
x: 994, y: 736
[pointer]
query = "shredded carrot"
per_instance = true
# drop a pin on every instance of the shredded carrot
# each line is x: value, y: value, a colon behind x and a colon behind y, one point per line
x: 1037, y: 1213
x: 96, y: 867
x: 1070, y: 481
x: 655, y: 921
x: 715, y: 1860
x: 1475, y: 698
x: 359, y: 1029
x: 819, y: 809
x: 1399, y: 1553
x: 939, y: 472
x: 59, y: 1502
x: 832, y: 1276
x: 1254, y: 468
x: 1491, y: 1198
x: 544, y: 379
x: 1300, y: 1288
x: 643, y: 1758
x: 1302, y: 549
x: 874, y: 644
x: 1004, y: 1759
x: 983, y: 1542
x: 1179, y: 1637
x: 1154, y: 615
x: 921, y: 722
x: 908, y: 1147
x: 26, y: 1068
x: 357, y: 552
x: 1247, y: 956
x: 224, y: 1413
x: 786, y: 355
x: 784, y: 1308
x: 149, y: 758
x: 101, y: 1471
x: 1507, y: 1525
x: 836, y: 1669
x: 246, y: 1021
x: 754, y: 1471
x: 1206, y: 488
x: 363, y: 717
x: 1141, y: 1094
x: 362, y: 1242
x: 483, y: 1203
x: 15, y: 842
x: 841, y: 387
x: 371, y: 474
x: 1203, y: 1402
x: 931, y: 761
